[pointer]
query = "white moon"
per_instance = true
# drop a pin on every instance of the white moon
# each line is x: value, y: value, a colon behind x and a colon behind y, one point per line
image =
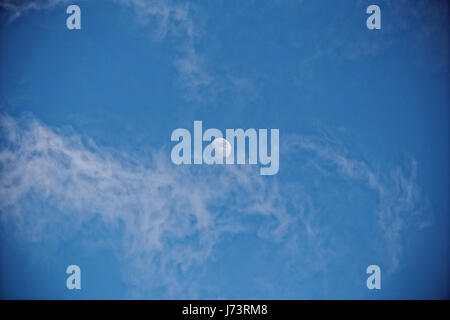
x: 221, y: 147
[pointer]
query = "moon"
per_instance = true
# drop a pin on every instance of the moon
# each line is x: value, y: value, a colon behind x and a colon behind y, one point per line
x: 222, y: 147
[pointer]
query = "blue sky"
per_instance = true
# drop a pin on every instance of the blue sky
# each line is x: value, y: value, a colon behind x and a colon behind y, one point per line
x: 86, y: 175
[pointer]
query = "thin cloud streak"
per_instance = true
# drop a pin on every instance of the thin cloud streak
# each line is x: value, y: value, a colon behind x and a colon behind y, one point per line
x: 169, y: 214
x: 401, y: 204
x: 167, y: 19
x: 171, y: 217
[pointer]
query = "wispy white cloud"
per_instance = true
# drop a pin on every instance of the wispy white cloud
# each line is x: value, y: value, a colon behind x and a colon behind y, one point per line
x: 200, y: 78
x: 401, y: 204
x: 167, y: 19
x: 21, y: 8
x: 177, y: 20
x: 171, y: 216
